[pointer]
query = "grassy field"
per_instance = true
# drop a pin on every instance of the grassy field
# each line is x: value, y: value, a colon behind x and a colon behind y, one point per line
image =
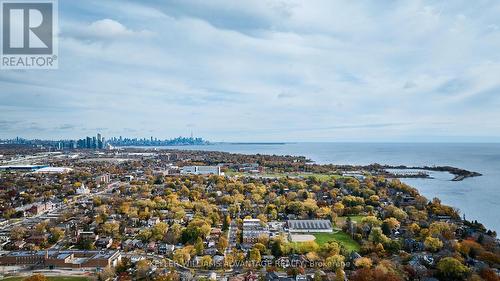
x: 51, y: 278
x: 356, y: 219
x: 339, y: 237
x: 320, y: 177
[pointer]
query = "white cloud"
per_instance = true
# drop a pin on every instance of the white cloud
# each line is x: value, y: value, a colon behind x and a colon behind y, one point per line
x: 222, y: 67
x: 104, y: 29
x: 108, y: 28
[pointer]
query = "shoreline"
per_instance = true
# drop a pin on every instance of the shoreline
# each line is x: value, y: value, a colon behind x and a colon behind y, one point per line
x: 460, y: 174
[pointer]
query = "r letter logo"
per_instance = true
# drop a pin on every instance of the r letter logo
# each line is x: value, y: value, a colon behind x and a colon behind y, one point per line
x: 29, y: 39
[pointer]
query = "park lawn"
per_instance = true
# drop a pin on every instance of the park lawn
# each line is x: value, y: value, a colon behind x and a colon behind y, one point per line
x: 355, y: 218
x: 324, y: 177
x: 50, y: 278
x: 339, y: 237
x: 320, y: 177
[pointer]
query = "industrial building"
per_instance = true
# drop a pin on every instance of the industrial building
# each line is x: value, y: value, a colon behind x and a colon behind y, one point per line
x: 22, y: 168
x: 201, y: 170
x: 309, y: 226
x: 62, y: 259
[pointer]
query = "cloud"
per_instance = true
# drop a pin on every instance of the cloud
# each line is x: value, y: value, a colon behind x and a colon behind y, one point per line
x: 108, y: 28
x: 347, y: 69
x: 105, y: 29
x: 409, y: 85
x: 66, y: 127
x: 7, y: 125
x: 286, y: 95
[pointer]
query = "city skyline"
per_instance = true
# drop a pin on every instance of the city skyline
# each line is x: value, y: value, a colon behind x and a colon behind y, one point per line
x: 265, y: 71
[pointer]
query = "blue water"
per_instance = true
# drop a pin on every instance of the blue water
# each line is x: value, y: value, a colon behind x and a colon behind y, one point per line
x: 477, y: 198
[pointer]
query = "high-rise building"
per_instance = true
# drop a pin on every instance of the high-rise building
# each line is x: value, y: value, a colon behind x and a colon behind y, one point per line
x: 99, y: 141
x: 88, y: 143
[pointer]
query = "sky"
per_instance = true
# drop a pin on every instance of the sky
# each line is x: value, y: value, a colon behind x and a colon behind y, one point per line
x: 267, y: 70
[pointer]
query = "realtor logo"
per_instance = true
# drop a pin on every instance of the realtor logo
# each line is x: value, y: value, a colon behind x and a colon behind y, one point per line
x: 29, y: 38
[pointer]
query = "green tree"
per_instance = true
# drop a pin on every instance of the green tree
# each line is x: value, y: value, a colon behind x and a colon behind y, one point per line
x: 111, y: 229
x: 433, y: 244
x: 181, y: 256
x: 339, y: 274
x: 451, y: 269
x: 277, y: 247
x: 226, y: 223
x: 255, y: 255
x: 143, y: 267
x: 330, y: 249
x: 371, y: 221
x: 206, y: 262
x: 159, y: 231
x: 335, y: 262
x: 17, y: 233
x: 199, y: 246
x: 56, y: 234
x: 222, y: 244
x: 376, y: 236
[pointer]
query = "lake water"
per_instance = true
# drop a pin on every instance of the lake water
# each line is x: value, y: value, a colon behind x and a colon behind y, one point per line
x: 477, y: 198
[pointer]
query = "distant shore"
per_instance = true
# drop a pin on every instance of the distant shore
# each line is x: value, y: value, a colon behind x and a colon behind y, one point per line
x: 460, y: 174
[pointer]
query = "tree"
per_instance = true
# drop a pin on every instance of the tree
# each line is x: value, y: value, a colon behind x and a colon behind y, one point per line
x: 339, y: 274
x: 226, y: 223
x: 222, y: 244
x: 323, y: 212
x: 41, y: 228
x: 206, y: 262
x: 363, y: 262
x: 451, y: 269
x: 318, y: 276
x: 143, y: 267
x: 255, y: 255
x: 144, y: 234
x: 106, y: 273
x: 391, y: 224
x: 56, y: 233
x: 8, y: 213
x: 442, y: 229
x: 181, y: 256
x: 174, y: 233
x: 488, y: 274
x: 123, y: 265
x: 277, y: 247
x: 159, y: 231
x: 469, y: 248
x: 184, y: 191
x: 371, y: 221
x: 17, y: 233
x: 36, y: 277
x: 378, y: 274
x: 433, y: 244
x: 111, y: 229
x: 125, y: 208
x: 171, y: 276
x: 335, y: 262
x: 338, y: 208
x: 199, y: 246
x: 330, y: 249
x: 376, y: 236
x: 190, y: 235
x: 399, y: 214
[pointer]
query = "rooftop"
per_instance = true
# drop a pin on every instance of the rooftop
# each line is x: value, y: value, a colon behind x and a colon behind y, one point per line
x: 309, y: 224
